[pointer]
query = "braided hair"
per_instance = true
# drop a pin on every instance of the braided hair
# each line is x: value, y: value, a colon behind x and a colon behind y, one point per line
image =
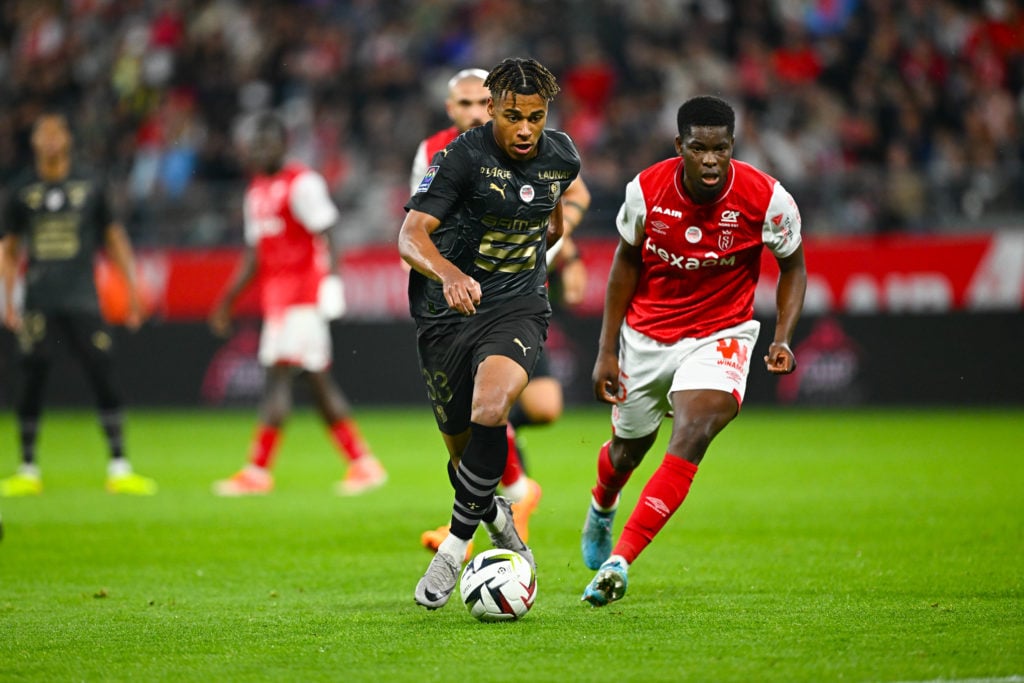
x: 521, y: 76
x: 705, y: 110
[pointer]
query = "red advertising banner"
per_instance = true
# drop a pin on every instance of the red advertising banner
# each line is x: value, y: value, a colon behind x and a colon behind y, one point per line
x: 851, y: 275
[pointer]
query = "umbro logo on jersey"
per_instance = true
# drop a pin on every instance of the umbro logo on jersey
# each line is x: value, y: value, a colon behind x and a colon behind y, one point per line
x: 499, y: 190
x: 675, y: 213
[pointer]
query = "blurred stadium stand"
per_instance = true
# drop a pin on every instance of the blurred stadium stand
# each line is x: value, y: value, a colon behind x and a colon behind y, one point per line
x: 879, y: 117
x: 897, y: 126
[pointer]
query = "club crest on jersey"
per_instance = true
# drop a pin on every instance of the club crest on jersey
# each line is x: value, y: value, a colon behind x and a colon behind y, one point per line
x: 526, y: 193
x: 54, y: 199
x: 725, y: 240
x: 428, y: 178
x: 555, y: 191
x: 693, y: 234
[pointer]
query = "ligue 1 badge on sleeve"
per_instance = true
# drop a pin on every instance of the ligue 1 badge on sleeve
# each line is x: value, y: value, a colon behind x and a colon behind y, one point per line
x: 526, y: 193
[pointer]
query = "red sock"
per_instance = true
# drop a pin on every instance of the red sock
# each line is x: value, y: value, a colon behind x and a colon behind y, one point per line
x: 609, y: 480
x: 347, y: 436
x: 513, y: 466
x: 264, y: 446
x: 664, y: 493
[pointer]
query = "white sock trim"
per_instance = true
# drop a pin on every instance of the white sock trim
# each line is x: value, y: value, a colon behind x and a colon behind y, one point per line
x: 517, y: 490
x: 613, y: 508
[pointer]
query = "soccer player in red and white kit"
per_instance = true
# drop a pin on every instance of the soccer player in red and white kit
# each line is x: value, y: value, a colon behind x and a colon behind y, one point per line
x: 678, y: 330
x: 288, y: 220
x: 541, y: 402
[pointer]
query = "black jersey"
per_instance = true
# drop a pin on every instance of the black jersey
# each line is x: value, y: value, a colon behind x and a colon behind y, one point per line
x: 62, y: 224
x: 494, y: 215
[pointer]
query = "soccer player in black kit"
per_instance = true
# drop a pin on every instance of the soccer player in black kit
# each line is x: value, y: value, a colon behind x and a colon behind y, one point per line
x: 475, y: 235
x: 60, y: 214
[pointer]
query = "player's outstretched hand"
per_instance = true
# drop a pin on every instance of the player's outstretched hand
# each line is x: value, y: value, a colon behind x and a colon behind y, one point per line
x: 606, y: 378
x: 12, y: 319
x: 780, y: 359
x: 220, y: 321
x: 133, y: 321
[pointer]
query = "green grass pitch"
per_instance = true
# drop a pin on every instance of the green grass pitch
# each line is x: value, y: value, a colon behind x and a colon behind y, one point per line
x: 864, y: 545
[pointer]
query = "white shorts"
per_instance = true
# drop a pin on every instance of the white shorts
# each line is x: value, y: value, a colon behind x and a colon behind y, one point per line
x: 299, y: 336
x: 650, y: 371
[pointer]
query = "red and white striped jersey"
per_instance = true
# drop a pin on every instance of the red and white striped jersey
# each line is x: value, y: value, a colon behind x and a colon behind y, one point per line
x: 426, y: 151
x: 286, y: 215
x: 701, y: 262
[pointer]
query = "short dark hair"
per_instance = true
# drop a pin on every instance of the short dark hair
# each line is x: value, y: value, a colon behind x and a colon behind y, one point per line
x: 269, y: 122
x: 521, y: 76
x: 705, y: 110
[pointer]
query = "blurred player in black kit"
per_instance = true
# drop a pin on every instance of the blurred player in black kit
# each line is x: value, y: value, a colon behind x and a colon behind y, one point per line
x: 476, y: 234
x: 60, y: 214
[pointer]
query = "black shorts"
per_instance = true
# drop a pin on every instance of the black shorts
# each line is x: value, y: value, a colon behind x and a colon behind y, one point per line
x: 85, y: 334
x: 543, y: 366
x: 449, y: 355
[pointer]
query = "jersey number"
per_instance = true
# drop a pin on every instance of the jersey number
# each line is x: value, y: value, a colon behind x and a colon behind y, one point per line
x: 505, y: 252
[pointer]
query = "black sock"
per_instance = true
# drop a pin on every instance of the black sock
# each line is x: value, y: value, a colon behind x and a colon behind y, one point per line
x: 112, y: 423
x: 476, y: 479
x: 28, y: 430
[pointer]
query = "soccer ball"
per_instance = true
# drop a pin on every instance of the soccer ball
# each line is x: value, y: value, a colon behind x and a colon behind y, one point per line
x: 498, y: 585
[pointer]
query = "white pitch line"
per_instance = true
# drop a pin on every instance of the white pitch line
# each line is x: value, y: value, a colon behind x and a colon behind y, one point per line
x: 1006, y: 679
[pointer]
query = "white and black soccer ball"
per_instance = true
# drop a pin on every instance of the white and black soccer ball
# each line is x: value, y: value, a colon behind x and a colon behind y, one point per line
x: 498, y: 585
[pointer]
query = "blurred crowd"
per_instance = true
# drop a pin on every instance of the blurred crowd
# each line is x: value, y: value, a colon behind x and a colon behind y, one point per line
x: 878, y: 116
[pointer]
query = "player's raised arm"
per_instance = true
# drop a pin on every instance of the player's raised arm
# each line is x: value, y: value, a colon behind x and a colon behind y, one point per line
x: 220, y: 317
x: 622, y: 281
x: 9, y: 268
x: 416, y: 248
x: 789, y: 297
x: 119, y: 249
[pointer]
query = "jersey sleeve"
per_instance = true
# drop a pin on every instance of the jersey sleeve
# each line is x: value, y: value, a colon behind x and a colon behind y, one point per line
x: 252, y: 235
x: 419, y: 167
x: 441, y: 186
x: 632, y: 214
x: 781, y: 229
x: 311, y: 203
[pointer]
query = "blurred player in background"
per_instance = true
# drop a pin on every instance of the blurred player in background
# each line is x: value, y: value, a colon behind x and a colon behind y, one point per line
x: 476, y: 233
x: 59, y: 212
x: 289, y: 217
x: 541, y: 402
x: 678, y: 331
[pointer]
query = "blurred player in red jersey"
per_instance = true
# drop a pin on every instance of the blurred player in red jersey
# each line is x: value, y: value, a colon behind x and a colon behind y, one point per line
x: 541, y: 402
x: 289, y: 216
x: 678, y: 331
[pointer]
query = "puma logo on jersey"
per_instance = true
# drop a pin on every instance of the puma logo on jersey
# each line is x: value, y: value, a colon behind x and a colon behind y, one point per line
x: 522, y: 346
x: 499, y: 190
